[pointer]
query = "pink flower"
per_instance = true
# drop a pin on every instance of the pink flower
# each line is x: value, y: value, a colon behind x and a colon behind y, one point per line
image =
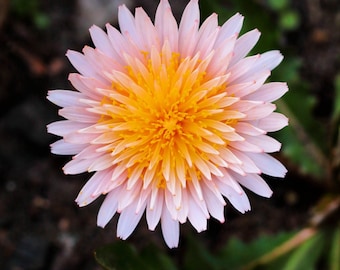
x: 171, y: 120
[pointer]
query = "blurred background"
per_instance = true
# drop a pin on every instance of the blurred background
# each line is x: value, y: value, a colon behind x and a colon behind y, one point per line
x: 41, y: 227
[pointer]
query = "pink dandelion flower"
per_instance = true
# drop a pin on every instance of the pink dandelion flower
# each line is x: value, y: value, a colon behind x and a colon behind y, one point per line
x: 170, y: 119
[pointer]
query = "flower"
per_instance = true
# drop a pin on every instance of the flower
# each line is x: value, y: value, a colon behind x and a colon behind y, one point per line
x: 171, y: 119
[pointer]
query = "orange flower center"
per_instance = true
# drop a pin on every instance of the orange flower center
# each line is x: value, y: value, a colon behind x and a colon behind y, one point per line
x: 167, y: 118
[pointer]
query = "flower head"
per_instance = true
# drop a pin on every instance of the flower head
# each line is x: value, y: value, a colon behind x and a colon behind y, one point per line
x: 171, y: 119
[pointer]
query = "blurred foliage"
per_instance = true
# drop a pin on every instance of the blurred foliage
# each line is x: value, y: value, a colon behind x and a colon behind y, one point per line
x: 336, y: 114
x: 307, y: 255
x: 121, y: 255
x: 30, y: 10
x: 311, y: 144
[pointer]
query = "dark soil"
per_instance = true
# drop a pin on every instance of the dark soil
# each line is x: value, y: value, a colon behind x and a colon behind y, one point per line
x: 40, y: 225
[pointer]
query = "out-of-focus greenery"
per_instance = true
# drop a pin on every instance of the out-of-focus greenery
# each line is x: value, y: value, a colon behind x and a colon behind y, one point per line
x: 304, y: 145
x: 321, y: 246
x: 30, y: 10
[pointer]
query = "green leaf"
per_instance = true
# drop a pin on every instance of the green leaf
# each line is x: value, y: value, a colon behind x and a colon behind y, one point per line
x: 198, y: 256
x: 336, y: 113
x: 306, y: 256
x: 24, y: 7
x: 41, y: 20
x: 278, y: 4
x: 156, y: 260
x: 122, y: 256
x: 334, y: 254
x: 294, y: 148
x: 236, y: 254
x: 119, y: 256
x: 289, y: 20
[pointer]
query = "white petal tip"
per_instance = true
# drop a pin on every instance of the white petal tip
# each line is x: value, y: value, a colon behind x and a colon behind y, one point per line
x: 121, y: 237
x: 172, y: 245
x: 101, y: 225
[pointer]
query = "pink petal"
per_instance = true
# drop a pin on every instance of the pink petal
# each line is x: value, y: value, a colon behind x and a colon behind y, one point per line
x: 76, y: 166
x: 222, y: 55
x: 142, y: 201
x: 237, y: 168
x: 273, y: 122
x: 252, y: 76
x: 228, y: 155
x: 135, y: 176
x: 268, y: 60
x: 153, y: 215
x: 269, y: 92
x: 268, y: 165
x: 182, y: 213
x: 230, y: 28
x: 108, y: 208
x: 63, y: 148
x: 101, y: 163
x: 129, y: 197
x: 102, y: 63
x: 78, y: 114
x: 242, y: 67
x: 259, y: 112
x: 128, y: 221
x: 119, y: 43
x: 87, y: 85
x: 166, y: 25
x: 230, y: 181
x: 254, y: 183
x: 193, y: 195
x: 245, y: 105
x: 176, y: 190
x: 244, y: 44
x: 255, y: 82
x: 188, y: 28
x: 232, y: 136
x: 266, y: 143
x: 207, y: 35
x: 101, y: 41
x: 247, y: 128
x: 214, y: 204
x: 117, y: 180
x: 170, y: 229
x: 247, y: 164
x: 89, y: 152
x: 146, y: 29
x: 170, y: 206
x: 85, y: 196
x: 127, y: 24
x: 196, y: 216
x: 79, y: 138
x: 264, y: 64
x: 65, y: 98
x: 208, y: 26
x: 64, y: 127
x: 239, y: 201
x: 104, y: 183
x: 245, y: 146
x: 81, y: 64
